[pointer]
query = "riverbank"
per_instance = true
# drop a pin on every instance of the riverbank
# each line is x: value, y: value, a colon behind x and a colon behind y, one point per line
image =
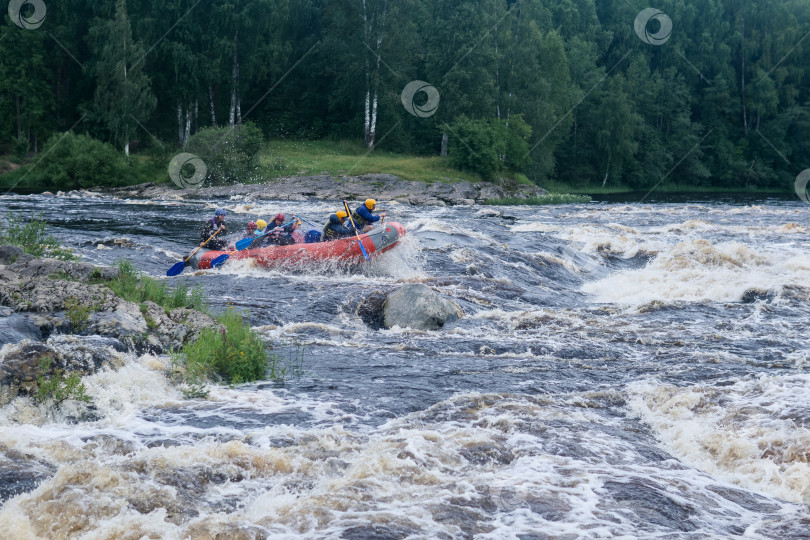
x: 286, y: 163
x: 383, y: 187
x: 77, y: 316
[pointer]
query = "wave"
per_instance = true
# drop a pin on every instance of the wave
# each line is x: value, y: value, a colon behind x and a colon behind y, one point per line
x: 752, y: 433
x: 697, y: 270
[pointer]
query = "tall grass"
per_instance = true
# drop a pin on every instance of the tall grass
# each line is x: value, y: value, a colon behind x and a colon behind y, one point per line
x: 32, y: 236
x: 235, y: 354
x: 133, y: 286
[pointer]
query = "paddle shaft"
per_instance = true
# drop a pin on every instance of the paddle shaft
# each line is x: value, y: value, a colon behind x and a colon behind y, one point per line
x: 362, y: 247
x: 203, y: 244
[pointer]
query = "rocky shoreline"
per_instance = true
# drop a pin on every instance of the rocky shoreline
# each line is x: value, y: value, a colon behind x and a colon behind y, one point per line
x: 63, y: 311
x: 383, y: 187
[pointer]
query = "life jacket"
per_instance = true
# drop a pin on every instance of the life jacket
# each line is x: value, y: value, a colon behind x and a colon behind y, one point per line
x: 359, y: 221
x: 328, y: 232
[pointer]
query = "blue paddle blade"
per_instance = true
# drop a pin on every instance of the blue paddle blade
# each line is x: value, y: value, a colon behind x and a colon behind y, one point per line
x: 176, y: 269
x: 219, y: 260
x: 245, y: 242
x: 363, y: 249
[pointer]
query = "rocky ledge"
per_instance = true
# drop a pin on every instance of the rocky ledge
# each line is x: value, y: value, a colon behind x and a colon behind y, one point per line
x: 383, y: 187
x: 64, y: 312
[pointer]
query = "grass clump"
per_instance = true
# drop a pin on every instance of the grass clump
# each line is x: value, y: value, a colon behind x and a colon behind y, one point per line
x: 32, y: 236
x: 57, y: 387
x: 133, y: 286
x: 78, y: 312
x: 551, y: 198
x: 235, y: 354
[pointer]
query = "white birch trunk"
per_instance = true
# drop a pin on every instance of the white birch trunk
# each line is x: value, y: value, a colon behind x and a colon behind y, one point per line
x: 372, y: 126
x: 443, y: 151
x: 196, y: 115
x: 211, y: 102
x: 367, y: 115
x: 180, y: 123
x: 235, y: 83
x: 187, y: 133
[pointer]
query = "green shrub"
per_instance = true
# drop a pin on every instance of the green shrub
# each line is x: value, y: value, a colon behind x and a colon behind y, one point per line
x: 230, y: 153
x: 78, y: 312
x: 70, y: 161
x: 489, y: 146
x: 551, y: 198
x: 58, y: 388
x: 133, y: 286
x: 32, y: 236
x: 235, y: 353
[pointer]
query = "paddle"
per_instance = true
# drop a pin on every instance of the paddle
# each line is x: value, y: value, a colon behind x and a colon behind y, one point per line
x: 246, y: 242
x: 219, y: 260
x: 179, y: 267
x: 362, y: 247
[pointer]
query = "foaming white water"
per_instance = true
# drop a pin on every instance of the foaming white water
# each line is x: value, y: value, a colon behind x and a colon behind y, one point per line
x: 697, y: 270
x: 753, y: 433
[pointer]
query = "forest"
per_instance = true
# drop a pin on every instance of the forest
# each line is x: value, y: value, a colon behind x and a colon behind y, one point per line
x: 712, y: 93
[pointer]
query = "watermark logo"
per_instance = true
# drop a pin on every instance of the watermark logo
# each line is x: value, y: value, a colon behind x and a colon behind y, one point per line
x: 800, y: 185
x: 187, y: 171
x: 508, y: 498
x: 426, y: 109
x: 24, y: 17
x: 643, y: 22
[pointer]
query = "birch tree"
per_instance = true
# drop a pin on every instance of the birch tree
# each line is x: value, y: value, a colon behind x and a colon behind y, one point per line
x: 123, y: 95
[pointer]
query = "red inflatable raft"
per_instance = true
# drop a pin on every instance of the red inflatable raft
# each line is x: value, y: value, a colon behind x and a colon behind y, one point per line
x: 344, y: 251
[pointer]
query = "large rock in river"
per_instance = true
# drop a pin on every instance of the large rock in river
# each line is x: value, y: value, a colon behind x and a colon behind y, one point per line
x: 420, y: 307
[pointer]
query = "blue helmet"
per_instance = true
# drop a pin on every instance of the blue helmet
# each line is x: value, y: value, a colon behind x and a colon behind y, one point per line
x: 219, y: 212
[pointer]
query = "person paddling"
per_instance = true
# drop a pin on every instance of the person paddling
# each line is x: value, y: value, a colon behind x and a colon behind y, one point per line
x: 278, y: 233
x: 335, y: 229
x: 216, y: 223
x: 363, y: 217
x: 250, y: 230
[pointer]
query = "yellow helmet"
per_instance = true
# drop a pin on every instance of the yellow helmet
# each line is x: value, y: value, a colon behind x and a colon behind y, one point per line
x: 341, y: 214
x: 370, y: 204
x: 260, y: 223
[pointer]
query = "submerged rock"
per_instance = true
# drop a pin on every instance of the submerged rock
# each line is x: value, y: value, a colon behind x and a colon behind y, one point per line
x: 20, y: 473
x: 419, y: 307
x: 20, y: 365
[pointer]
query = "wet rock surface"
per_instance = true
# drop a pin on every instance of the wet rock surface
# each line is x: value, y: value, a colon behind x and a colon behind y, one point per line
x: 20, y: 473
x: 36, y: 299
x: 386, y: 187
x: 37, y: 295
x: 20, y: 365
x: 419, y: 307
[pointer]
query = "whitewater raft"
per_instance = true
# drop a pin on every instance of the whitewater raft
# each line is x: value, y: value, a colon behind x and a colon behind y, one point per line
x: 343, y: 251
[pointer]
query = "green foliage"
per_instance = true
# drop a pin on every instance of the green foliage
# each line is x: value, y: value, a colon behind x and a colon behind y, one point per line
x: 551, y: 198
x: 56, y: 388
x: 235, y: 353
x: 123, y: 95
x: 78, y: 312
x: 32, y: 236
x: 73, y: 161
x: 606, y: 110
x: 489, y: 146
x: 133, y: 286
x: 230, y: 153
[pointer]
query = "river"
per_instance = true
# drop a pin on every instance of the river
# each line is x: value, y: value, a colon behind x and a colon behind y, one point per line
x: 622, y: 370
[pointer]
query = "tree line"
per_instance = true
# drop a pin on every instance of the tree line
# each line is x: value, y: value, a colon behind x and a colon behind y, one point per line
x: 578, y: 91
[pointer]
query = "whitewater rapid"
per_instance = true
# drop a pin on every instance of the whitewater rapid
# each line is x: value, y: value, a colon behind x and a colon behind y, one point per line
x: 620, y: 371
